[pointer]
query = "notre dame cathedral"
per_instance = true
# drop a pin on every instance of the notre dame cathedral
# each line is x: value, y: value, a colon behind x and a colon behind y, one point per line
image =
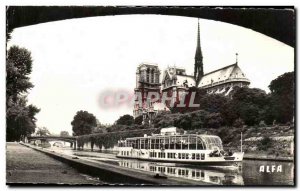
x: 175, y: 81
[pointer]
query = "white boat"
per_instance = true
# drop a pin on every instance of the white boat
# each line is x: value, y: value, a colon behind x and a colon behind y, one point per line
x: 171, y: 146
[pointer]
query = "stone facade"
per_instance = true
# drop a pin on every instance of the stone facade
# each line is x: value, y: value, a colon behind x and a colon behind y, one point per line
x: 147, y: 80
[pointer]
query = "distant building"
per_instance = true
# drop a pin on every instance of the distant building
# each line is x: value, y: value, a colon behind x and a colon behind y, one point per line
x: 221, y: 81
x: 175, y: 80
x: 147, y: 80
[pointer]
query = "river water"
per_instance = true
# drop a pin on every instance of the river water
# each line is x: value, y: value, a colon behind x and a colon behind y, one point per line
x: 249, y: 172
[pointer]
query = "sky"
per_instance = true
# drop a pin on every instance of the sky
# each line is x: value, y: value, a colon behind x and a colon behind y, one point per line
x: 76, y: 60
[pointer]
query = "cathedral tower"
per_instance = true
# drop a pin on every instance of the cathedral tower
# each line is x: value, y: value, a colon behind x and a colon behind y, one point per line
x: 198, y: 69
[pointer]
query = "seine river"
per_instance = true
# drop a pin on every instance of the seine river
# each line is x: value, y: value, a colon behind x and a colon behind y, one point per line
x: 249, y: 172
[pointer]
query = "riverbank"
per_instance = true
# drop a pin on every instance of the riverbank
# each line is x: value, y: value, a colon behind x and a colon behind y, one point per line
x: 112, y: 174
x: 27, y: 166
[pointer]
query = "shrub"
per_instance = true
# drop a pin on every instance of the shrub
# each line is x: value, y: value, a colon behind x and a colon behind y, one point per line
x: 238, y: 123
x: 265, y: 143
x: 213, y: 120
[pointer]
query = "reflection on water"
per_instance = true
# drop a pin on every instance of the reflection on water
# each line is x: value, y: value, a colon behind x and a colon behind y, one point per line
x: 252, y: 176
x: 246, y: 174
x: 208, y: 174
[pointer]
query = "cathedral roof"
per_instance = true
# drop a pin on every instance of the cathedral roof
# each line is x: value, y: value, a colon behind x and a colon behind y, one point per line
x: 222, y: 75
x: 178, y: 74
x: 185, y: 79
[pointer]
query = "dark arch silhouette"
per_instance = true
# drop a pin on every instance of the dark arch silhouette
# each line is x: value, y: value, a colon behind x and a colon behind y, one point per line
x: 275, y: 22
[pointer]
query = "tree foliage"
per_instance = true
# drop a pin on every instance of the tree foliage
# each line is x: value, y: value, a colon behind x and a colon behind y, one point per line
x: 283, y: 97
x: 18, y: 68
x: 64, y: 134
x: 187, y: 121
x: 83, y: 123
x: 20, y: 117
x: 125, y: 120
x: 109, y: 140
x: 248, y: 104
x: 42, y: 131
x: 138, y: 120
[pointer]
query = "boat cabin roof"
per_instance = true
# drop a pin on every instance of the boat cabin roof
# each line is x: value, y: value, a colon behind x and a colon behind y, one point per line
x: 209, y: 141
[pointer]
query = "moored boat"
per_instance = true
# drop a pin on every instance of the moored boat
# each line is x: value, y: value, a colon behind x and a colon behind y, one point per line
x: 172, y: 146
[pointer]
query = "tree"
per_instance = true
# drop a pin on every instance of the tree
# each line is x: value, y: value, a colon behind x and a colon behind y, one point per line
x: 42, y: 131
x: 214, y: 120
x: 64, y: 134
x: 138, y: 120
x: 83, y: 123
x: 249, y: 104
x: 238, y: 123
x: 283, y: 97
x: 18, y: 68
x: 213, y: 103
x: 20, y: 117
x: 125, y: 120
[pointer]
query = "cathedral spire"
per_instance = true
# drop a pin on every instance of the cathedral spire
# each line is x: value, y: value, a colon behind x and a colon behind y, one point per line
x: 198, y: 69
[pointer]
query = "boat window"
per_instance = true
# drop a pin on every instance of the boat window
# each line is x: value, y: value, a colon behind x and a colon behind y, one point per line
x: 182, y: 172
x: 192, y: 143
x: 138, y: 144
x: 146, y: 144
x: 142, y: 143
x: 197, y: 156
x: 202, y: 156
x: 186, y: 173
x: 212, y: 142
x: 193, y: 156
x: 202, y: 174
x: 179, y: 155
x: 193, y: 173
x: 152, y: 143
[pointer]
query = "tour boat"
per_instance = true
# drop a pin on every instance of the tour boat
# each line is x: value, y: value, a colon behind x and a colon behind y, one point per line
x: 172, y: 146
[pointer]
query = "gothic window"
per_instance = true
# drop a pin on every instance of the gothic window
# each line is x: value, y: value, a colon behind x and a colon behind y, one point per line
x: 152, y: 75
x: 148, y: 75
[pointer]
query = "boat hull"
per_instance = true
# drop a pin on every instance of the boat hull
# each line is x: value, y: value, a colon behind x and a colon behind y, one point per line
x: 210, y: 163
